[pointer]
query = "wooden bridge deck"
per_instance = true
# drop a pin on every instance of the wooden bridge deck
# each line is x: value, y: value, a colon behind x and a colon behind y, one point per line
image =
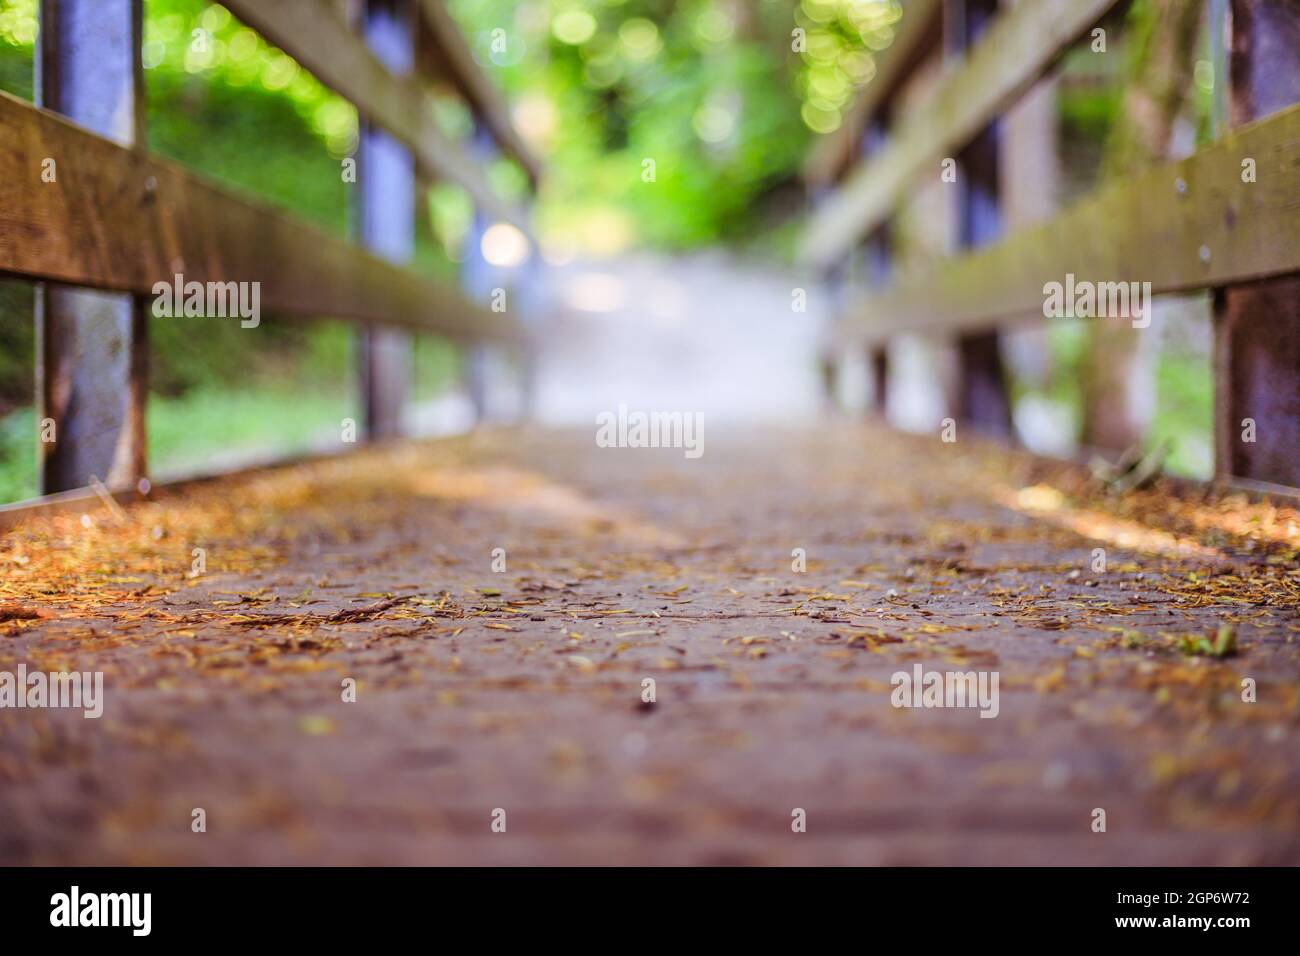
x: 522, y: 690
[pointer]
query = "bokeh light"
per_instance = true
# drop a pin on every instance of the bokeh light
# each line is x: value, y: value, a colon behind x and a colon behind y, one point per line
x: 504, y: 245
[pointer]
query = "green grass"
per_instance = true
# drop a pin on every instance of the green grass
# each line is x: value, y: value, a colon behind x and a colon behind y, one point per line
x: 437, y: 367
x: 1223, y: 644
x: 215, y: 426
x: 18, y: 455
x: 209, y: 429
x: 202, y: 430
x: 1184, y: 413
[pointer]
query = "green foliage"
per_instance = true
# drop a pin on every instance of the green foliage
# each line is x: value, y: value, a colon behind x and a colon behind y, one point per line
x: 841, y: 38
x: 1184, y: 412
x: 17, y: 332
x: 16, y: 73
x: 17, y: 344
x: 217, y: 427
x: 202, y: 40
x: 1223, y: 644
x: 18, y: 455
x: 1087, y: 112
x: 252, y: 140
x: 710, y: 91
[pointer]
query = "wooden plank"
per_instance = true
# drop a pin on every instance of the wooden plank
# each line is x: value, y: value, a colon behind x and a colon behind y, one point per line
x: 835, y: 151
x: 456, y: 63
x: 386, y: 220
x: 1257, y: 326
x: 318, y: 37
x: 92, y: 354
x: 1182, y: 226
x: 122, y: 220
x: 1015, y: 52
x: 983, y: 399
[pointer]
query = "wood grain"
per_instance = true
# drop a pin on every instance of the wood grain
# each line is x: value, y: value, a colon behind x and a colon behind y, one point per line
x: 1182, y: 226
x: 118, y: 219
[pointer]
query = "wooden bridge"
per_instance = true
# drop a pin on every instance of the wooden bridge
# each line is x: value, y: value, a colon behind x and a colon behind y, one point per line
x: 516, y: 646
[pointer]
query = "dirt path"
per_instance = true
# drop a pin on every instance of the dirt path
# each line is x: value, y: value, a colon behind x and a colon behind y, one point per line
x: 522, y: 690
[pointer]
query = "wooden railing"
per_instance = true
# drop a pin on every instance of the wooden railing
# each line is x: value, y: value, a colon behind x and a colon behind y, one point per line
x: 83, y: 205
x: 1016, y: 51
x: 1181, y: 227
x: 124, y: 221
x: 1225, y: 219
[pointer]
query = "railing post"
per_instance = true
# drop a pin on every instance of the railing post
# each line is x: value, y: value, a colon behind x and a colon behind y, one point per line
x: 532, y: 313
x: 879, y: 269
x: 1257, y: 326
x: 878, y: 362
x: 981, y: 393
x: 386, y: 219
x: 476, y: 280
x: 838, y: 291
x: 92, y: 351
x: 1031, y: 172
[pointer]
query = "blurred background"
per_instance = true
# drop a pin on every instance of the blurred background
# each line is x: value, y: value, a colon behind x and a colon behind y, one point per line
x: 671, y: 292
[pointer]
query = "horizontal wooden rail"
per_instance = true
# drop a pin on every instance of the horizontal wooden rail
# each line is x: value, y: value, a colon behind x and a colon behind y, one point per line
x: 118, y: 219
x: 1182, y: 226
x: 1016, y: 51
x: 317, y: 36
x: 836, y: 150
x: 456, y: 63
